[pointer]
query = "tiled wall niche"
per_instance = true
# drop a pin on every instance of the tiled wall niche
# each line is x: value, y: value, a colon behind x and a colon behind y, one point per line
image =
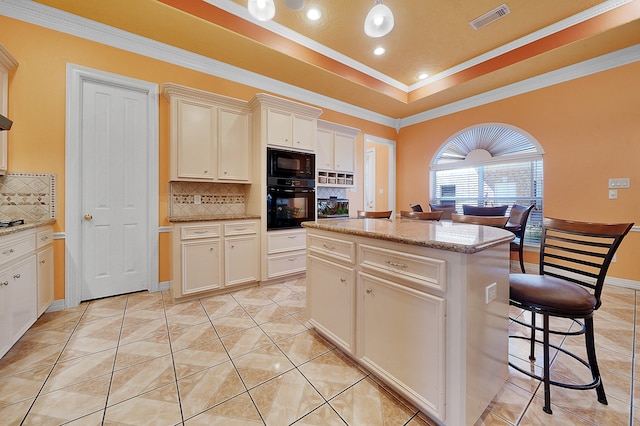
x: 215, y: 199
x: 28, y: 196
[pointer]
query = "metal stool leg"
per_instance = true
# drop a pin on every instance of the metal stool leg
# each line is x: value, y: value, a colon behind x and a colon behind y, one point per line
x: 547, y: 377
x: 593, y: 362
x: 532, y: 351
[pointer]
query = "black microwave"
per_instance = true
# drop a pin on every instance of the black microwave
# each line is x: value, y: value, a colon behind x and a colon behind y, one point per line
x: 290, y: 164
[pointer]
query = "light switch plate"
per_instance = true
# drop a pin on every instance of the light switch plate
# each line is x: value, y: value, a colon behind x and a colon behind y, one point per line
x: 613, y: 194
x: 197, y: 199
x: 619, y: 183
x: 491, y: 292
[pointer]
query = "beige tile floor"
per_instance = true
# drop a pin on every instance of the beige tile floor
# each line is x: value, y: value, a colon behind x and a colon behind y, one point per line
x: 249, y: 357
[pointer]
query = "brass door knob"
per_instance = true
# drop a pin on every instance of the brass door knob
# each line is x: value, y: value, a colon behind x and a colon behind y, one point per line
x: 88, y: 216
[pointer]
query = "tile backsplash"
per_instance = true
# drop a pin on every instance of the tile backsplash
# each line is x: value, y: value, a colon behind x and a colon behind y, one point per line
x: 215, y: 199
x: 28, y: 196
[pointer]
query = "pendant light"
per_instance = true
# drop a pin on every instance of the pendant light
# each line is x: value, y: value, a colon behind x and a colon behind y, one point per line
x: 379, y: 20
x: 262, y: 10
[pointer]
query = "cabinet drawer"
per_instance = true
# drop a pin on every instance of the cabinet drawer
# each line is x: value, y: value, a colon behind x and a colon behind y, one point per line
x: 281, y: 241
x: 191, y: 232
x: 289, y: 263
x: 334, y: 248
x: 422, y: 273
x: 240, y: 228
x: 16, y: 247
x: 44, y: 238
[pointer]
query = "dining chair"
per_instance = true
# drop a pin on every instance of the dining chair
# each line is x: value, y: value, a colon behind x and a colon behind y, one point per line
x: 497, y: 221
x: 404, y: 214
x: 447, y: 210
x: 517, y: 223
x: 416, y: 207
x: 385, y: 214
x: 574, y: 259
x: 485, y: 210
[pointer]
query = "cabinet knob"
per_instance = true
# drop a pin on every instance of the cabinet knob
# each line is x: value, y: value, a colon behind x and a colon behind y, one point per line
x: 16, y: 276
x: 43, y: 261
x: 342, y: 280
x: 4, y: 283
x: 369, y: 291
x: 8, y: 252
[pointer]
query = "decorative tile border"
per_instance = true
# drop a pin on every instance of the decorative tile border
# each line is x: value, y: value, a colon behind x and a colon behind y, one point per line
x: 215, y: 199
x: 29, y: 196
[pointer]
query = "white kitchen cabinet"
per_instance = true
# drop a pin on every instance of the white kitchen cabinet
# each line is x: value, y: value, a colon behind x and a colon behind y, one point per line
x: 7, y: 63
x: 401, y: 336
x: 288, y: 130
x: 209, y: 257
x: 44, y: 261
x: 241, y: 253
x: 234, y: 150
x: 18, y: 291
x: 210, y: 136
x: 286, y: 252
x: 335, y: 154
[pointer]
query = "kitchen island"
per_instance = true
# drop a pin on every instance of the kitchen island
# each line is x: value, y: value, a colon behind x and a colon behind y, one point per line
x: 423, y: 305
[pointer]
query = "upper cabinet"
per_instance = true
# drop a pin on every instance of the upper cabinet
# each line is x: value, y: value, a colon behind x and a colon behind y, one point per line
x: 336, y: 149
x: 336, y: 154
x: 284, y: 123
x: 210, y: 136
x: 7, y: 63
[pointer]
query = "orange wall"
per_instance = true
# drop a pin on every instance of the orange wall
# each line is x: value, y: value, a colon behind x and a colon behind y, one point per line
x: 37, y: 99
x: 590, y: 131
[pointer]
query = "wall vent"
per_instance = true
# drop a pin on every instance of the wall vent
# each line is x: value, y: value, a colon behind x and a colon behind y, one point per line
x: 490, y: 17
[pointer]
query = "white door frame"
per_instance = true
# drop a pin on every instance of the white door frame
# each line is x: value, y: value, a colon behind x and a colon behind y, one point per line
x: 369, y: 179
x: 392, y: 165
x: 76, y: 76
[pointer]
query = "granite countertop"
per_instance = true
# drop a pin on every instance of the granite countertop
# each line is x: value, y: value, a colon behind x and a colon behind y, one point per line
x: 205, y: 218
x: 442, y: 235
x: 26, y: 226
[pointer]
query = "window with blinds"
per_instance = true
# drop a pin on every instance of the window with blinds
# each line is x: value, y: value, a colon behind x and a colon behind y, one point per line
x: 491, y: 165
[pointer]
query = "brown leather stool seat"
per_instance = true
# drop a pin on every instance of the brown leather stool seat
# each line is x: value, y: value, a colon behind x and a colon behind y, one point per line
x: 552, y: 294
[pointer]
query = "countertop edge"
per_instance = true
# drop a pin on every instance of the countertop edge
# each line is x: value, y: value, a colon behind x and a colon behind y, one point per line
x: 29, y: 225
x: 440, y: 245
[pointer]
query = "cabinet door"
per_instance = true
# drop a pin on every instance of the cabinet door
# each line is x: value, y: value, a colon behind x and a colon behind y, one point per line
x: 344, y: 157
x: 304, y: 133
x: 324, y: 150
x: 195, y: 140
x: 330, y: 300
x: 44, y: 259
x: 201, y: 265
x: 392, y: 318
x: 279, y: 128
x: 241, y: 259
x: 5, y: 314
x: 233, y: 145
x: 22, y: 287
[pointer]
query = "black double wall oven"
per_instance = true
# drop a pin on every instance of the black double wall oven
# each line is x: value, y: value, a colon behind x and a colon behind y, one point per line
x: 291, y: 194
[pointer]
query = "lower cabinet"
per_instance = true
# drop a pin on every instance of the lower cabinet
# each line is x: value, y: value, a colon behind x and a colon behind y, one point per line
x: 44, y: 261
x: 401, y: 336
x: 332, y: 300
x: 286, y: 252
x: 209, y: 256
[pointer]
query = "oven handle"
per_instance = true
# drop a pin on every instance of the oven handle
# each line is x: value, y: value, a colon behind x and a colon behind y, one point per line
x: 292, y: 190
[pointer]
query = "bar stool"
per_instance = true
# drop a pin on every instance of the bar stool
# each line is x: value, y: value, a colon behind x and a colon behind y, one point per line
x: 497, y: 221
x: 574, y: 259
x: 404, y: 214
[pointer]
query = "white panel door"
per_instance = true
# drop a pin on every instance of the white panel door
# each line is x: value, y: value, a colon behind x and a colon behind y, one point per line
x: 114, y: 191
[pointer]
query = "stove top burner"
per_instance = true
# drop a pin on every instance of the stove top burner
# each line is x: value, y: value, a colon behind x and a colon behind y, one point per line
x: 13, y: 222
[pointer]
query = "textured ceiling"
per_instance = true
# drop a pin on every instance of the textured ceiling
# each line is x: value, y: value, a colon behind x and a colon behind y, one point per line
x: 333, y: 55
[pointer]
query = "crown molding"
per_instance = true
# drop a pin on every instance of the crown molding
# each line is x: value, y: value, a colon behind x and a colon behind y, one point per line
x: 581, y: 69
x: 51, y: 18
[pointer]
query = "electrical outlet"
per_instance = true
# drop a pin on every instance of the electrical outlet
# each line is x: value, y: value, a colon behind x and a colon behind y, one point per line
x: 197, y: 199
x: 491, y: 292
x: 613, y: 194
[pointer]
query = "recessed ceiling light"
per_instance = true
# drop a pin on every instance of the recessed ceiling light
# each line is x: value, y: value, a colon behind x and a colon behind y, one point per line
x: 422, y: 76
x: 314, y: 14
x: 379, y: 51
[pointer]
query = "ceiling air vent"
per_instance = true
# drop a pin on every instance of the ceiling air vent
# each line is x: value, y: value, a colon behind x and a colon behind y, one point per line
x: 490, y: 17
